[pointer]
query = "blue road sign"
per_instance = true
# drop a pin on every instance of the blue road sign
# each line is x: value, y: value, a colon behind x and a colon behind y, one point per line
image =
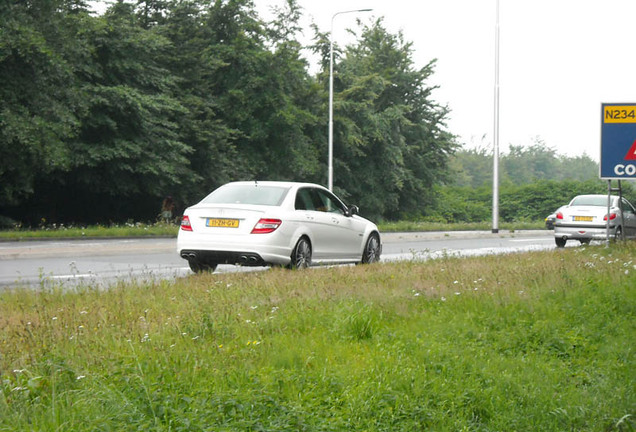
x: 618, y: 141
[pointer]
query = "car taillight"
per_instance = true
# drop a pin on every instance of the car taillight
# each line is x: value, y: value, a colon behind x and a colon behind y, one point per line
x: 185, y: 224
x: 559, y: 215
x: 612, y: 216
x: 265, y: 226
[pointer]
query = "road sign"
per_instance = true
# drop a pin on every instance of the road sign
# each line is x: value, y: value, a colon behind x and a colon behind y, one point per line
x: 618, y: 141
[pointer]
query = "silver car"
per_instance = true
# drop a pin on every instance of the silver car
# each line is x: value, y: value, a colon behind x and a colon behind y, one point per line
x: 585, y: 218
x: 275, y: 223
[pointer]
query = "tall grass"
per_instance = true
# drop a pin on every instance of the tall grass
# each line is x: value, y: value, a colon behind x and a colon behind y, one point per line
x: 538, y: 341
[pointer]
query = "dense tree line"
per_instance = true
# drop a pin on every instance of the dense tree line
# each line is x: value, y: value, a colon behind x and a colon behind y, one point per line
x: 534, y: 181
x: 520, y: 165
x: 101, y: 116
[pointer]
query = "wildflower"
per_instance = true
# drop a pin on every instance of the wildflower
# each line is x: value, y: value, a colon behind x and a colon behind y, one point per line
x: 443, y: 299
x: 83, y: 312
x: 54, y: 318
x: 253, y: 307
x: 195, y: 338
x: 80, y: 377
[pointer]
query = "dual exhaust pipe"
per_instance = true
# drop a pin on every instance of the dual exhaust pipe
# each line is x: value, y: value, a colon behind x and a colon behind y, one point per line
x: 248, y: 260
x: 243, y: 259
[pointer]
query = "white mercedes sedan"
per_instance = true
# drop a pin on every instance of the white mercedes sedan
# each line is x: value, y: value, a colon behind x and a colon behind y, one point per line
x: 275, y: 223
x: 585, y: 218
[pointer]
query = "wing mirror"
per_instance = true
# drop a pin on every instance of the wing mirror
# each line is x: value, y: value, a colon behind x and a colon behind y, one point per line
x: 352, y: 210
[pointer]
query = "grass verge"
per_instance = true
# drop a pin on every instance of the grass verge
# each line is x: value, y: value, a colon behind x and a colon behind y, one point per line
x: 537, y: 341
x: 410, y: 226
x: 170, y: 230
x: 97, y: 231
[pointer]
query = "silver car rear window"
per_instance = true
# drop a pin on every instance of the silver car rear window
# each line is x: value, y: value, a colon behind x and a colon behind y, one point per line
x: 247, y: 194
x: 599, y: 201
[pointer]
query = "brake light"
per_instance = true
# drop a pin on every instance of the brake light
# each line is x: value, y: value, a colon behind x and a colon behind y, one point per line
x: 559, y: 215
x: 185, y: 223
x: 266, y: 226
x: 612, y: 216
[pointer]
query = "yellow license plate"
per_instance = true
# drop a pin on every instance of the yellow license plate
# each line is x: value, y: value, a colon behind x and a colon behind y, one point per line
x: 583, y: 218
x: 222, y: 223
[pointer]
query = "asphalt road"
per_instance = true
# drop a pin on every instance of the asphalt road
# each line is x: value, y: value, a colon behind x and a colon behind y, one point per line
x: 42, y: 264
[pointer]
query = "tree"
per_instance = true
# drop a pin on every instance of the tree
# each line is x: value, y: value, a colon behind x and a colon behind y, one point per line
x: 390, y: 142
x: 39, y: 97
x: 128, y: 144
x: 263, y: 92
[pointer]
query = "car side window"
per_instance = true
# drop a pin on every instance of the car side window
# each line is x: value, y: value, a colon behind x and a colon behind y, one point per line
x: 304, y: 200
x: 329, y: 203
x: 627, y: 207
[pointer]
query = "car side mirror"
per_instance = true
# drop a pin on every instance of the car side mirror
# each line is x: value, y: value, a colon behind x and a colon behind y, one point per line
x: 353, y: 210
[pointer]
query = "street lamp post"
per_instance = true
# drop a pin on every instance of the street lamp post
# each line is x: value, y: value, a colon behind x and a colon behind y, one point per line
x: 495, y: 179
x: 331, y: 91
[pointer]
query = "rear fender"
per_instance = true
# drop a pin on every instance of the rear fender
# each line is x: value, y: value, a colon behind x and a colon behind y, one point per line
x: 300, y: 231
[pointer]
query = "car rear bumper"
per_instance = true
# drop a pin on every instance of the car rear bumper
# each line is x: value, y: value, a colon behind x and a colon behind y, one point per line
x: 231, y: 251
x: 584, y: 233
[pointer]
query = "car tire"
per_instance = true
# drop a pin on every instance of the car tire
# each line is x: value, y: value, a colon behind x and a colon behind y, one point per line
x: 618, y: 235
x: 301, y: 255
x: 199, y: 267
x: 560, y: 242
x: 372, y: 250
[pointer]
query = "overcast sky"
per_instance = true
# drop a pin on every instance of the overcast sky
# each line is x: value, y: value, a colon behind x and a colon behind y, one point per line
x: 559, y: 60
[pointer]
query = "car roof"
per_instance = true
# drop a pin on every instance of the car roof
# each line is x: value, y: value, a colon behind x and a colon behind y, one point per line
x: 276, y: 183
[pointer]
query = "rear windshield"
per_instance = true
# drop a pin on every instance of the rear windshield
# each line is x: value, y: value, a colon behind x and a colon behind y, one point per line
x: 247, y: 194
x: 600, y: 201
